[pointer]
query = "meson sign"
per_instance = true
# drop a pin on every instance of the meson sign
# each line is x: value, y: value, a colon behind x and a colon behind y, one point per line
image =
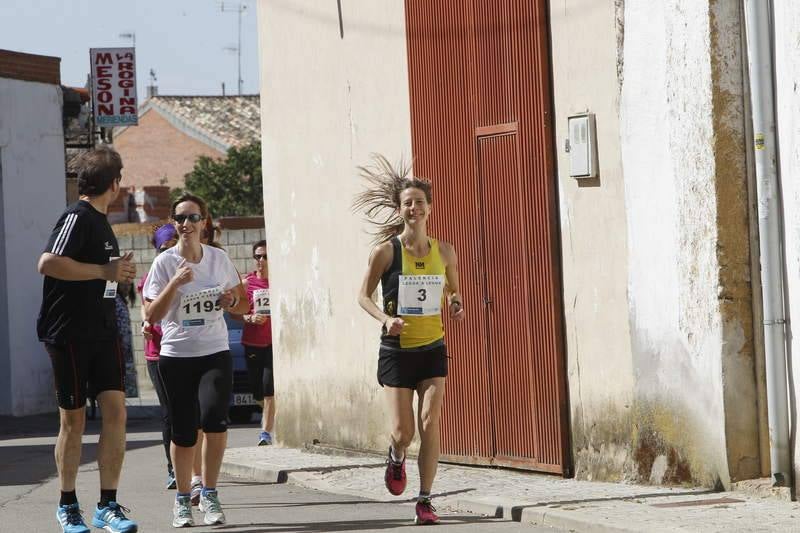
x: 114, y: 86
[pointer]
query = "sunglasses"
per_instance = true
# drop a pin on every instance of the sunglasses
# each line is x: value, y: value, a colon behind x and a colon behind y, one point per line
x: 259, y: 257
x: 194, y: 218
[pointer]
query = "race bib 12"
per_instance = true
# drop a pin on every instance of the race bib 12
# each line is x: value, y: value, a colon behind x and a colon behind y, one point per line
x: 261, y: 302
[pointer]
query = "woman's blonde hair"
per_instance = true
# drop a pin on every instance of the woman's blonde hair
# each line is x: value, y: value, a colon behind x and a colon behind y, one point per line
x: 381, y: 200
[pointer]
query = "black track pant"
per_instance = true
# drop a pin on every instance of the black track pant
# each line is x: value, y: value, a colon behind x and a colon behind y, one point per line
x: 166, y: 425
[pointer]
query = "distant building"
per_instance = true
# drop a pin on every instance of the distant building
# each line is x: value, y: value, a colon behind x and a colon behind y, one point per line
x: 174, y: 131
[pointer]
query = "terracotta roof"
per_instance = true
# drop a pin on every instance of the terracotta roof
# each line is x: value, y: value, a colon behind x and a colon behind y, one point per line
x: 221, y: 121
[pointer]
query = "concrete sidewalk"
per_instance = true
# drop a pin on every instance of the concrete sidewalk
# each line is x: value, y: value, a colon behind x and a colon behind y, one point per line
x: 534, y: 498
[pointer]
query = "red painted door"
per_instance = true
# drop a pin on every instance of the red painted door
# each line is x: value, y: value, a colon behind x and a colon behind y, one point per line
x: 481, y: 132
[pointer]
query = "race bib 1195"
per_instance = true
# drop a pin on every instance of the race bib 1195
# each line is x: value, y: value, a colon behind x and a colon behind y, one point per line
x: 200, y: 308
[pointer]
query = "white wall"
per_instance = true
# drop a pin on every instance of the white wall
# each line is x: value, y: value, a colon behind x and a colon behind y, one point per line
x: 787, y: 65
x: 667, y: 134
x: 594, y: 238
x: 33, y: 196
x: 319, y: 96
x: 658, y: 310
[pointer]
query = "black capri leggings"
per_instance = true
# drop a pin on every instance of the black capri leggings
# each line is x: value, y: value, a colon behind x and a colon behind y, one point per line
x: 190, y: 381
x: 259, y: 371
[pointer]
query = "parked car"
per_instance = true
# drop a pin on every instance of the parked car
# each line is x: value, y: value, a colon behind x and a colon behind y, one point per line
x: 242, y: 406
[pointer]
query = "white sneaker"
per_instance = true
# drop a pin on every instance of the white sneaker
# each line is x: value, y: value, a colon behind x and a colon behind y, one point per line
x: 182, y: 512
x: 209, y: 504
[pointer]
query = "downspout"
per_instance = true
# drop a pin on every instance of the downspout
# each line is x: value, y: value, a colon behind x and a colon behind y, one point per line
x: 759, y: 38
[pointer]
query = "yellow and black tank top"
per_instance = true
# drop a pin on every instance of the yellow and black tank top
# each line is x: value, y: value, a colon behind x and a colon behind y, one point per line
x: 413, y: 288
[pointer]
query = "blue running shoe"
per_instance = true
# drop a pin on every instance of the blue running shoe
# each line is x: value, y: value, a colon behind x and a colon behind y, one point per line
x: 69, y: 516
x: 113, y: 519
x: 171, y: 483
x: 264, y: 439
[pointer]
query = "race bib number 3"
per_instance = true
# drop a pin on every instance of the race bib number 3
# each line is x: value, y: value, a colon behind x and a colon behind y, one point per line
x: 420, y: 295
x: 261, y: 302
x: 200, y: 308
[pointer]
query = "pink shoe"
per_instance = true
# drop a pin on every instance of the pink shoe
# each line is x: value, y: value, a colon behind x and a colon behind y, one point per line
x: 395, y: 476
x: 426, y: 514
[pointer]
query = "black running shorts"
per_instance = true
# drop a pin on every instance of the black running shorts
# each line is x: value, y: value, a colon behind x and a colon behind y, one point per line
x: 82, y: 366
x: 407, y: 368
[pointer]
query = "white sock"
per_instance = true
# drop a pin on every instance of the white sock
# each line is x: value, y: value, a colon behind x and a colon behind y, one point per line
x: 423, y: 496
x: 197, y: 479
x: 395, y: 458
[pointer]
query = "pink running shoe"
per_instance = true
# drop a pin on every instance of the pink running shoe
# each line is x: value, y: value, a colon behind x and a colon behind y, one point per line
x: 395, y: 477
x: 426, y: 513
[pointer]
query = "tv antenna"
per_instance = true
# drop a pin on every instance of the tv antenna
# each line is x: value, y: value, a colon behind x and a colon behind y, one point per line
x: 238, y: 8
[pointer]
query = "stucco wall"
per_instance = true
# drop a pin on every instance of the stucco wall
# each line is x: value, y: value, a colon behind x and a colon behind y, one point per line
x: 327, y: 103
x: 787, y: 65
x: 656, y: 264
x: 157, y: 153
x: 33, y: 196
x: 594, y: 240
x: 685, y: 189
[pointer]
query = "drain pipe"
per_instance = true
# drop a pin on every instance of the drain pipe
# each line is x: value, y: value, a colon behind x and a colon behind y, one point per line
x: 759, y: 33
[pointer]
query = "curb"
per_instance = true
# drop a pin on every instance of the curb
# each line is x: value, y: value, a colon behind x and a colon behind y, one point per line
x: 491, y: 508
x: 264, y: 475
x: 539, y: 515
x: 567, y: 520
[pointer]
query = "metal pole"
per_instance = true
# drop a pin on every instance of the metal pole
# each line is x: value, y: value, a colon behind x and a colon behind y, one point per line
x: 239, y: 48
x: 757, y: 14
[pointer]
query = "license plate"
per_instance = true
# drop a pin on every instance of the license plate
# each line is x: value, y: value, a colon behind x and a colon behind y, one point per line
x: 243, y: 398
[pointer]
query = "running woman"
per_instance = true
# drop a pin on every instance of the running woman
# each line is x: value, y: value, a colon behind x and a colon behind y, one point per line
x: 418, y: 275
x: 188, y: 288
x: 164, y: 238
x: 77, y: 324
x: 257, y: 342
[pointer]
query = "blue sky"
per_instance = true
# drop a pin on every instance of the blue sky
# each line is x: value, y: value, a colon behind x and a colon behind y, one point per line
x: 182, y: 40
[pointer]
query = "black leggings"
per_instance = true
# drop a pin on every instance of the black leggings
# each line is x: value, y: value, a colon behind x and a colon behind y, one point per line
x: 259, y: 371
x: 190, y: 381
x: 166, y: 429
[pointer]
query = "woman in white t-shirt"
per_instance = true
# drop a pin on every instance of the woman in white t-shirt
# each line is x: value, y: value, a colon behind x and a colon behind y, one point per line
x: 188, y: 288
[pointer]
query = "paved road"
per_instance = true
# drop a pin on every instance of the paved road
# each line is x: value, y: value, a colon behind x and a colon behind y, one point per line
x: 28, y: 489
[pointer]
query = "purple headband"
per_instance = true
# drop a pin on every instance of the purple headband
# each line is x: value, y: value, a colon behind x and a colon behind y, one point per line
x: 163, y: 234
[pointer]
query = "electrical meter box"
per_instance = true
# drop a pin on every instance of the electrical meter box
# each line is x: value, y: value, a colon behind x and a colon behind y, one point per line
x: 582, y: 146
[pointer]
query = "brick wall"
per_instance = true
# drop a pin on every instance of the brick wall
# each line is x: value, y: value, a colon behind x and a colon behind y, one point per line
x: 237, y: 242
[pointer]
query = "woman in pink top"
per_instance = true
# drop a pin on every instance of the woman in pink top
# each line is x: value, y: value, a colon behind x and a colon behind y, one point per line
x: 257, y: 341
x: 164, y: 238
